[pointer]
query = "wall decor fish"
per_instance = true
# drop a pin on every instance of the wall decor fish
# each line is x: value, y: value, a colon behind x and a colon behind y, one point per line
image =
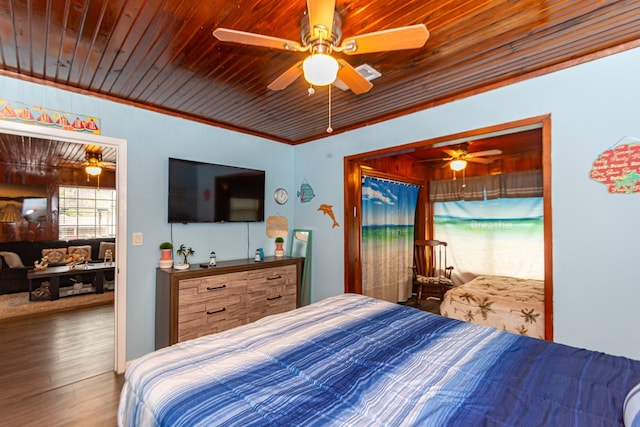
x: 306, y: 192
x: 328, y: 210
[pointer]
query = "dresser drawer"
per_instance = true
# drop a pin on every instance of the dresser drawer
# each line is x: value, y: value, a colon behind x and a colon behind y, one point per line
x: 214, y: 315
x: 211, y: 304
x: 270, y: 291
x: 266, y: 277
x: 223, y: 284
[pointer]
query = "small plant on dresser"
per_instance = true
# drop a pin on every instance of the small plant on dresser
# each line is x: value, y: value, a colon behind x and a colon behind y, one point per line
x: 184, y: 252
x: 166, y: 261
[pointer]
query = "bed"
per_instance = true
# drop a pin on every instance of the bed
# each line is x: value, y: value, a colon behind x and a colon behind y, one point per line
x: 352, y: 360
x: 507, y: 303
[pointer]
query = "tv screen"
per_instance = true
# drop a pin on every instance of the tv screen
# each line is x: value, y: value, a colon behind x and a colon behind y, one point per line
x: 207, y: 192
x: 34, y: 209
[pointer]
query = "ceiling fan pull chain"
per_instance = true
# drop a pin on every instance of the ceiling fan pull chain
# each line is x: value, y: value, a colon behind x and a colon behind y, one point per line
x: 329, y: 129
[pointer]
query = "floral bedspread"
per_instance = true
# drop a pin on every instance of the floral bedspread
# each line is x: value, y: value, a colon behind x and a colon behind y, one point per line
x: 506, y: 303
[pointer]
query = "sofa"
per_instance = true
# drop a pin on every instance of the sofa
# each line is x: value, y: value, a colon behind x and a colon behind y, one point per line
x: 16, y: 258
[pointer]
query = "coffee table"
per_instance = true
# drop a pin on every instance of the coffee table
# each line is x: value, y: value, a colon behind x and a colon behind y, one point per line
x: 55, y: 273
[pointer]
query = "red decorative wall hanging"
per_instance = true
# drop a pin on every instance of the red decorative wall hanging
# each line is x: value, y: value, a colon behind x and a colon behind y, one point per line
x: 619, y: 168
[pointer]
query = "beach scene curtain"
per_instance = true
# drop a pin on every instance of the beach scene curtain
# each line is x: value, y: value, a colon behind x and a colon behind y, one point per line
x: 388, y: 215
x: 503, y: 237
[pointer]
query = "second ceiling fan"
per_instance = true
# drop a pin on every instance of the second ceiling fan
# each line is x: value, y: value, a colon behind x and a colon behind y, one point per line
x: 321, y: 33
x: 459, y: 157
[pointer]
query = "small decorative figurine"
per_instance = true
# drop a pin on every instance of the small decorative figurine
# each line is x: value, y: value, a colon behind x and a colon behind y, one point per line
x: 184, y: 252
x: 108, y: 257
x: 212, y: 259
x: 43, y: 292
x: 42, y: 264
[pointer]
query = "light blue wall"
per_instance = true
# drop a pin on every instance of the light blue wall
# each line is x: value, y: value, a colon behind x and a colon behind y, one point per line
x: 595, y: 234
x: 152, y: 138
x: 597, y: 287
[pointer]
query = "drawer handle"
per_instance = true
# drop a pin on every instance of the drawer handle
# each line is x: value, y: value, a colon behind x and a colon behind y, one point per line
x: 217, y: 287
x: 217, y: 311
x: 274, y: 277
x: 272, y: 298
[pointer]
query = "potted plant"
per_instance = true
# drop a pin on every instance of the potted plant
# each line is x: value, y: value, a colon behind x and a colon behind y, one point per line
x: 185, y: 252
x: 166, y: 261
x: 279, y: 249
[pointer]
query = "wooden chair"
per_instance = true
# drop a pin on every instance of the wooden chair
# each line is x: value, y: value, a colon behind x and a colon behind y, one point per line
x: 431, y: 275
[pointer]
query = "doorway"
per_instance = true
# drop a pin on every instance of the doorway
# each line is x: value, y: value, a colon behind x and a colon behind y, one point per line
x: 403, y: 160
x: 34, y: 131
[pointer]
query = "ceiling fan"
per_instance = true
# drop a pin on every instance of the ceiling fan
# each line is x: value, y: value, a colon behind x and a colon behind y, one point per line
x: 458, y: 158
x: 94, y: 164
x: 320, y: 33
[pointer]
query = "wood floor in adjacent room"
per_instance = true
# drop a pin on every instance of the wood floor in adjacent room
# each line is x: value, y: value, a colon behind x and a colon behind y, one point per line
x: 58, y: 369
x: 430, y: 305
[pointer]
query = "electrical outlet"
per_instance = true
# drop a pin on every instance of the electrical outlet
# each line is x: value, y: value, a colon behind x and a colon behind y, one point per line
x: 137, y: 239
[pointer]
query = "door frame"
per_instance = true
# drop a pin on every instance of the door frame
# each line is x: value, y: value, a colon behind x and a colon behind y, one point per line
x: 354, y: 164
x: 120, y: 304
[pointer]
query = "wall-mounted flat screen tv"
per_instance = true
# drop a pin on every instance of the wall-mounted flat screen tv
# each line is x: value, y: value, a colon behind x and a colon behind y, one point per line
x: 207, y: 192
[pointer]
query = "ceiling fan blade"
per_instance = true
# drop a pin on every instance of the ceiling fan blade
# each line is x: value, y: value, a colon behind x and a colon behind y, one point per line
x: 485, y: 153
x: 352, y: 78
x: 286, y: 78
x: 321, y: 18
x: 452, y: 153
x: 227, y: 35
x: 411, y: 37
x: 479, y: 160
x: 445, y: 159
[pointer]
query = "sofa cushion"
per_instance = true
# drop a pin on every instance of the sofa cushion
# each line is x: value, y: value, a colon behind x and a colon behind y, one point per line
x: 106, y: 246
x: 84, y: 251
x: 12, y: 259
x: 55, y: 255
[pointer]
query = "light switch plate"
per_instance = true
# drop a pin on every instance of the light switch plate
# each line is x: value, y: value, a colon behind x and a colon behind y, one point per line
x: 137, y: 239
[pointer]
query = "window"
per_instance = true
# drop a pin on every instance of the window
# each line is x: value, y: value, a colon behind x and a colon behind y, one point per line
x: 86, y: 213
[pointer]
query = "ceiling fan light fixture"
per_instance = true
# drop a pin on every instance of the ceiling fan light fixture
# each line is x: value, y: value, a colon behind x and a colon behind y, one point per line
x: 93, y: 166
x: 458, y: 164
x: 93, y: 170
x: 320, y: 69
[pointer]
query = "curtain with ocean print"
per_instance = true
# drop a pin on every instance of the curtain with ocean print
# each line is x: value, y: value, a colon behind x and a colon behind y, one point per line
x: 502, y: 237
x: 388, y: 214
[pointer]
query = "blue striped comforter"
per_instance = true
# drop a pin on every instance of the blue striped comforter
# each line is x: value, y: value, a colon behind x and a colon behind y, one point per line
x: 355, y: 361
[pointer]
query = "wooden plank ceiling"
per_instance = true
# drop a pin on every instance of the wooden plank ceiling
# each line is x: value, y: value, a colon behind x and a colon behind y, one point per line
x: 161, y: 55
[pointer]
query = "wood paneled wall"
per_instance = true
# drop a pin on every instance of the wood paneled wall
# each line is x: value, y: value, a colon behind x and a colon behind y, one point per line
x: 51, y: 179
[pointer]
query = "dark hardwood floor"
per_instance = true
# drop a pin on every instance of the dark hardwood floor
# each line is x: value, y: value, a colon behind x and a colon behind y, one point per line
x: 58, y: 369
x: 430, y: 305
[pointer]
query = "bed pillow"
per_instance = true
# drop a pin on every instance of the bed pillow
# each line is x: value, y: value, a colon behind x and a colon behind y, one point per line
x: 54, y: 255
x: 105, y: 246
x: 632, y: 408
x: 83, y: 251
x: 12, y: 259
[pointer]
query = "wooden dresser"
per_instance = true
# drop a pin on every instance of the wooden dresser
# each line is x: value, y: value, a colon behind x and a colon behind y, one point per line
x: 201, y: 301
